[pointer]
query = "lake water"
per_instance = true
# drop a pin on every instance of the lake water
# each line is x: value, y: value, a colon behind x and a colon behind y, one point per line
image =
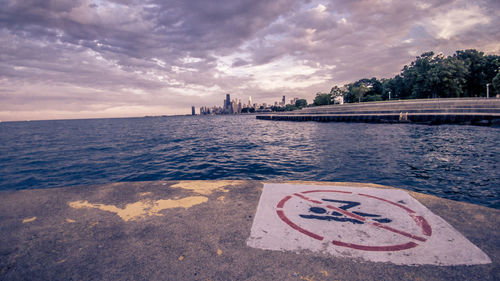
x: 455, y: 162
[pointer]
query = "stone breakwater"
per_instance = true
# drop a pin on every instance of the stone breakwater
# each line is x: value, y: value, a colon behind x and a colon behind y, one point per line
x: 204, y: 230
x: 433, y: 111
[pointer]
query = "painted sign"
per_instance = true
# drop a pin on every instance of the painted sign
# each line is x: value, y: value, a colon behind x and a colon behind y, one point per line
x: 382, y: 225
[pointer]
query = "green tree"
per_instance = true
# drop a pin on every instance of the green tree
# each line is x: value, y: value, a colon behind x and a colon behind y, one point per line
x: 248, y: 110
x: 476, y: 78
x: 359, y: 91
x: 496, y: 83
x: 349, y: 95
x: 418, y: 77
x: 300, y: 103
x: 364, y: 90
x: 396, y: 88
x: 375, y: 89
x: 277, y: 108
x: 465, y: 74
x: 450, y: 76
x: 337, y: 92
x: 323, y: 99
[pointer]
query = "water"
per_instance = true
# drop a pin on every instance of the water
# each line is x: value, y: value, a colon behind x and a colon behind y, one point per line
x: 455, y: 162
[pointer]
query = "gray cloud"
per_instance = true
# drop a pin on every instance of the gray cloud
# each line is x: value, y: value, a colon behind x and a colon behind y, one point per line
x: 105, y: 54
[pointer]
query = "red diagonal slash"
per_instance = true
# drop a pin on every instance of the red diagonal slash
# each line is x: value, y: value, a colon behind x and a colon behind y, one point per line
x: 360, y: 218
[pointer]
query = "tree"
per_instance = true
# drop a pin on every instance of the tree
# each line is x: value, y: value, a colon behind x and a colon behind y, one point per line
x: 476, y: 78
x: 349, y: 95
x: 418, y: 77
x: 450, y: 76
x: 492, y: 69
x: 323, y: 99
x: 301, y: 103
x: 496, y: 83
x: 248, y: 110
x: 337, y: 92
x: 395, y: 87
x: 465, y: 74
x: 375, y: 89
x: 359, y: 91
x: 277, y: 108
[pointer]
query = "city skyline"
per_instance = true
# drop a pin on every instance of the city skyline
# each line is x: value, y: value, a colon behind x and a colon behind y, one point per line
x: 102, y: 58
x: 236, y: 105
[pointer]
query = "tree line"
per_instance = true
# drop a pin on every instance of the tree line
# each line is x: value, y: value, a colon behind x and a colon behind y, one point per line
x: 463, y: 74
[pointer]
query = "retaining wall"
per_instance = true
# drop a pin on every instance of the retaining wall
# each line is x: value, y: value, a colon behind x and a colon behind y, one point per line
x: 439, y: 111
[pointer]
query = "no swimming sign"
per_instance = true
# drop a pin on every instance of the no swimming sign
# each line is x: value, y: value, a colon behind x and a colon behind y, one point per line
x: 381, y: 225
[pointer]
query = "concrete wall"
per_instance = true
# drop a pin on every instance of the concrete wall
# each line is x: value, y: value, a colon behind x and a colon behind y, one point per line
x: 422, y: 106
x: 477, y: 111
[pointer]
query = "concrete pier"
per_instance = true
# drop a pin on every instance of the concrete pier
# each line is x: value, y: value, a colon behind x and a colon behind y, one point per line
x: 485, y: 112
x: 194, y: 230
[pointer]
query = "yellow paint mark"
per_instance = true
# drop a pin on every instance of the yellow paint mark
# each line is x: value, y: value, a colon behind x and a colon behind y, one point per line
x: 479, y: 217
x: 181, y: 258
x: 29, y: 219
x: 61, y: 261
x: 143, y: 208
x: 308, y: 277
x: 70, y: 220
x: 220, y: 198
x: 145, y: 193
x: 186, y: 203
x: 324, y: 272
x: 219, y: 252
x: 203, y: 187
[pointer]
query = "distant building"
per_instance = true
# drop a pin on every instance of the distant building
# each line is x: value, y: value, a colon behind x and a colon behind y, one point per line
x: 193, y: 110
x: 237, y: 106
x: 338, y: 99
x: 228, y: 105
x: 204, y: 110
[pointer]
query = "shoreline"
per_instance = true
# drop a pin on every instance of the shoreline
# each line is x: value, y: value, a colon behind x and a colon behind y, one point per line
x: 479, y: 111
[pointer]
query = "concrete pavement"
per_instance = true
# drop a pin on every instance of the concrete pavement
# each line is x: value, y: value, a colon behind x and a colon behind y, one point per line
x: 193, y: 230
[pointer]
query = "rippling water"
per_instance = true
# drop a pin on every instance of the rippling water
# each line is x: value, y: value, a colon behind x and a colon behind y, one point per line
x: 455, y: 162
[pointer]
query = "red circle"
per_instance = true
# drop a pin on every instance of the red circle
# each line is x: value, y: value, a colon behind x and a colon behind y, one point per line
x: 420, y: 221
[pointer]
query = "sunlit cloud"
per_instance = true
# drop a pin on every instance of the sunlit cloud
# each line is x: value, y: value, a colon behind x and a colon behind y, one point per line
x: 450, y: 23
x: 106, y: 58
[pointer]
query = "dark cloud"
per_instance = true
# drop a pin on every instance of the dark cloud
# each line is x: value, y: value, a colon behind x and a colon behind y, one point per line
x: 140, y: 52
x: 240, y: 62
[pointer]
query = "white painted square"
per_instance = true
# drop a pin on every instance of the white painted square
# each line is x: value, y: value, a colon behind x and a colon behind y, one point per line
x: 380, y: 225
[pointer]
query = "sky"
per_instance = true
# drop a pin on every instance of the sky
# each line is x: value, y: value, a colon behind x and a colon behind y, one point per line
x: 65, y: 59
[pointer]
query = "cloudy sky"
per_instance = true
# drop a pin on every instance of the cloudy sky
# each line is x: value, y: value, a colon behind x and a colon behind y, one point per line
x: 118, y: 58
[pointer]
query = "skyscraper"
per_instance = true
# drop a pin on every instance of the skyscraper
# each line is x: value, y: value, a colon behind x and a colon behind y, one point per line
x: 193, y: 110
x: 228, y: 108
